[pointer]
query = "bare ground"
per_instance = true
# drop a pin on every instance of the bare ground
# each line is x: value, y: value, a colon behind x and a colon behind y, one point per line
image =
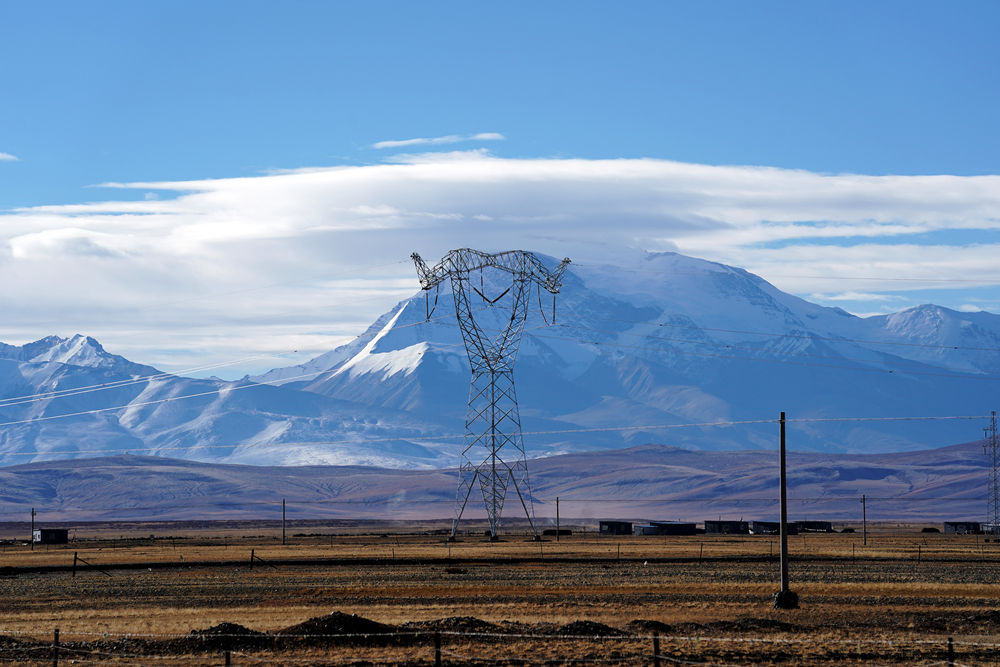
x: 372, y: 599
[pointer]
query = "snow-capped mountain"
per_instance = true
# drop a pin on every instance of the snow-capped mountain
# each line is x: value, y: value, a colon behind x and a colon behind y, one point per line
x: 633, y: 355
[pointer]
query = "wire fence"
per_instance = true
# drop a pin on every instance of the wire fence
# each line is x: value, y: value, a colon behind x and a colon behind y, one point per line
x: 459, y: 647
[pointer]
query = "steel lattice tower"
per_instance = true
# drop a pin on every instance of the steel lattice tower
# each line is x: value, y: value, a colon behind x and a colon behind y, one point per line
x: 991, y: 447
x: 493, y: 451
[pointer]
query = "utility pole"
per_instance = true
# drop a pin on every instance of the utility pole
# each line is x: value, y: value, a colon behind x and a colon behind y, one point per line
x: 282, y: 522
x: 491, y: 317
x: 785, y: 598
x: 31, y: 540
x: 864, y: 520
x: 991, y: 447
x: 557, y: 518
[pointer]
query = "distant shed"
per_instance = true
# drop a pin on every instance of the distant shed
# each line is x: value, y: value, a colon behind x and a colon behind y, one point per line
x: 50, y: 536
x: 615, y: 527
x: 962, y: 527
x: 726, y: 527
x: 666, y: 528
x: 771, y: 528
x: 815, y: 526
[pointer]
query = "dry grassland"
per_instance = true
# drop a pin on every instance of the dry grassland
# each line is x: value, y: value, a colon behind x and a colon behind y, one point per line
x: 896, y: 600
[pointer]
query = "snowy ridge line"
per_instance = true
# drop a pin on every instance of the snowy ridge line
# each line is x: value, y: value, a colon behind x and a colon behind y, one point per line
x: 231, y: 386
x: 771, y: 334
x: 16, y: 400
x: 450, y: 436
x: 41, y: 396
x: 706, y: 343
x: 985, y: 281
x: 787, y: 362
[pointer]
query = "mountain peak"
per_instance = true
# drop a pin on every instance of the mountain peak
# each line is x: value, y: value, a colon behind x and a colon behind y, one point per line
x: 77, y: 350
x: 663, y: 339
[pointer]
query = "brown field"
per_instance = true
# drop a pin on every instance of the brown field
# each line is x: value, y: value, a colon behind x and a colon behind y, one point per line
x: 585, y: 599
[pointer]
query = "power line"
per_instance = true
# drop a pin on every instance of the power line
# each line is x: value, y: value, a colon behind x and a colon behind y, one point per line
x: 451, y: 436
x: 276, y: 504
x: 835, y: 339
x: 121, y: 383
x: 987, y: 280
x: 115, y: 384
x: 788, y: 362
x: 42, y: 396
x: 708, y: 343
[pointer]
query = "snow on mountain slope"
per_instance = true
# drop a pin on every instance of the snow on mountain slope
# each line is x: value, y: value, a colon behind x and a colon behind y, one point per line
x: 78, y: 350
x: 941, y: 336
x: 668, y: 340
x: 55, y: 409
x: 673, y: 340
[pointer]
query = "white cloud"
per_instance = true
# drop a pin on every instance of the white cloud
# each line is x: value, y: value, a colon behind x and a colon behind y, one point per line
x: 319, y: 252
x: 433, y: 141
x: 7, y: 157
x: 854, y: 296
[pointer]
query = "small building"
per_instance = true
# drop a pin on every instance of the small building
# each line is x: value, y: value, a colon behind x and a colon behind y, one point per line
x: 814, y: 526
x: 666, y: 528
x: 771, y: 528
x: 727, y: 527
x: 50, y: 536
x: 962, y: 527
x: 615, y: 527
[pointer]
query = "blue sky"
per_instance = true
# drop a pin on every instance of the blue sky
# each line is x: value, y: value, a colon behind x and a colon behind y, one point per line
x: 156, y: 93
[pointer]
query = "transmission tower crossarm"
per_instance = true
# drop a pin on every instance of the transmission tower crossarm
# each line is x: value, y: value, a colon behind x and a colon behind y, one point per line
x: 549, y: 280
x: 517, y: 262
x: 430, y: 277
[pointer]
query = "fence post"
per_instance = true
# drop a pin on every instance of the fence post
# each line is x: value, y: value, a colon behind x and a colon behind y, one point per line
x: 251, y: 559
x: 55, y: 648
x: 227, y: 659
x: 74, y: 563
x: 951, y: 653
x: 437, y: 648
x: 656, y: 649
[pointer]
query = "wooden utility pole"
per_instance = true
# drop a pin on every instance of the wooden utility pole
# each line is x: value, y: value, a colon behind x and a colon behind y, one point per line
x: 557, y: 518
x: 282, y: 521
x: 864, y: 520
x: 31, y: 540
x: 785, y: 598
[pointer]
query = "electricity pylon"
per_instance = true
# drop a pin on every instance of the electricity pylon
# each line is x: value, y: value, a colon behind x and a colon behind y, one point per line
x: 493, y: 451
x: 991, y: 447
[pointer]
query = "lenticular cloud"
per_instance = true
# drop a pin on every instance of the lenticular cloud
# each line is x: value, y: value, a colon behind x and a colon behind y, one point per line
x: 292, y: 236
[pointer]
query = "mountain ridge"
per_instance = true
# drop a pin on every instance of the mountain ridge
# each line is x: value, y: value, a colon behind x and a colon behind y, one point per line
x: 647, y: 481
x: 667, y: 341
